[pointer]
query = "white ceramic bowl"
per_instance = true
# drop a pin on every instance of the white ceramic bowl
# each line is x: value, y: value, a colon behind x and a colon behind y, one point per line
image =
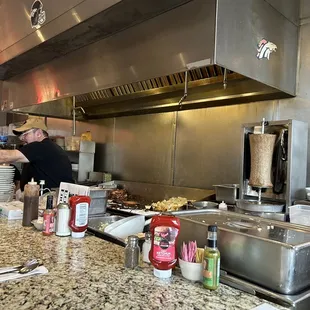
x: 191, y: 271
x: 38, y: 224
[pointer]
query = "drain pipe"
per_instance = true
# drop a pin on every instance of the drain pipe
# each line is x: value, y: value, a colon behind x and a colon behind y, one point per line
x: 185, y: 90
x: 73, y: 117
x: 225, y: 79
x: 74, y: 108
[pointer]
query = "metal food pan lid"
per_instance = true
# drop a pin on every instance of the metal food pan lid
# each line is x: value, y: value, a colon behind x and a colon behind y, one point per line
x: 282, y: 233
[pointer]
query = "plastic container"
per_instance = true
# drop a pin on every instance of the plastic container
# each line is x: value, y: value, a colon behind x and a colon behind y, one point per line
x: 78, y: 222
x: 31, y: 202
x: 127, y: 226
x: 300, y: 214
x: 163, y: 254
x: 72, y: 143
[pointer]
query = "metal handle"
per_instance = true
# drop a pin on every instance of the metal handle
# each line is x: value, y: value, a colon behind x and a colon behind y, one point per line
x: 185, y: 90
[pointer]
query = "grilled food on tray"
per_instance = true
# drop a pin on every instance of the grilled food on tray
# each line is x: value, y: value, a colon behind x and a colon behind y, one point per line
x: 172, y: 204
x: 118, y: 195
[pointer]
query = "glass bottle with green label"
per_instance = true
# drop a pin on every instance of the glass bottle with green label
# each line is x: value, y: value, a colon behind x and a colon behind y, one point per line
x: 211, y: 262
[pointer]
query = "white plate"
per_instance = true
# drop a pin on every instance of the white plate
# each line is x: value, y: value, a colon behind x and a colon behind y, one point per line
x: 5, y: 191
x: 5, y: 188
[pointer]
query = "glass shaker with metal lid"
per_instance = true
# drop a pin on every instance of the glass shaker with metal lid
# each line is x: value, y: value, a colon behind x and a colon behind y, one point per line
x: 146, y: 247
x: 62, y: 220
x: 132, y: 252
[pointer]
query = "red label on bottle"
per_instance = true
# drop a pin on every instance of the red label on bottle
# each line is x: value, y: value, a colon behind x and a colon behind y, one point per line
x: 48, y: 222
x: 164, y: 243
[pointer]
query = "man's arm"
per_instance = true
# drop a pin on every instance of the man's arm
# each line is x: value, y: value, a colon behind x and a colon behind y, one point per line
x: 10, y: 156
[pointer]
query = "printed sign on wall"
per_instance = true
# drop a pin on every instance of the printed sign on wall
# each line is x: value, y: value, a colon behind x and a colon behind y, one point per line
x: 265, y: 48
x: 37, y: 15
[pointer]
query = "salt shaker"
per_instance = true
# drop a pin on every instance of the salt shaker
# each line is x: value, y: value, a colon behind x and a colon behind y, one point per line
x: 146, y: 247
x: 132, y: 252
x: 62, y: 220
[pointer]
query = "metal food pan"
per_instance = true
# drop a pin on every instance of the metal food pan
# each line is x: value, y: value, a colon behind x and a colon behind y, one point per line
x: 255, y: 206
x: 272, y: 254
x: 96, y: 222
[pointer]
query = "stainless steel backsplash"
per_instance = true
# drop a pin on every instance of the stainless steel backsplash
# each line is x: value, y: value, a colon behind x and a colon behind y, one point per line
x: 207, y: 145
x: 194, y: 148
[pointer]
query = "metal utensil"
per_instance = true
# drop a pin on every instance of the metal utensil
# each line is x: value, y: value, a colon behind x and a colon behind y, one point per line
x: 27, y: 269
x: 24, y: 268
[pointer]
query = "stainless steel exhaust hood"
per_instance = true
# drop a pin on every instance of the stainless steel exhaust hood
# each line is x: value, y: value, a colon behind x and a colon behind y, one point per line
x: 138, y: 67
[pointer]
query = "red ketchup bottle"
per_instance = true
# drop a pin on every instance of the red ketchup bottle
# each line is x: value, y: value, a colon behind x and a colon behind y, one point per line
x: 79, y: 215
x: 163, y: 254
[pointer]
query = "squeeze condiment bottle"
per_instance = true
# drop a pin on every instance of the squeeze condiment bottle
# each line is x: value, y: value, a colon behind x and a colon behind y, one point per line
x: 79, y: 215
x: 48, y: 217
x: 163, y: 254
x: 31, y: 202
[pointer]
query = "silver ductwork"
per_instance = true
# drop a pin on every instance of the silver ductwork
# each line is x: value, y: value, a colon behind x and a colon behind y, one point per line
x: 138, y: 66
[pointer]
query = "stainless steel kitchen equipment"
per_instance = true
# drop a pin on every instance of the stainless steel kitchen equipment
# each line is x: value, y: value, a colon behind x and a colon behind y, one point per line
x: 255, y: 206
x: 268, y: 254
x: 84, y: 156
x: 288, y: 167
x: 226, y: 192
x: 222, y: 57
x: 98, y: 223
x: 296, y: 302
x: 204, y: 205
x: 99, y: 198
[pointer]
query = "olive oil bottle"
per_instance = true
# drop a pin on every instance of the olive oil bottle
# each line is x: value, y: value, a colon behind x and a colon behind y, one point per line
x: 211, y: 262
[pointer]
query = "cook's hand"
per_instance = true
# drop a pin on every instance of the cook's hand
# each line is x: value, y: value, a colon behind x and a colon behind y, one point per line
x: 19, y: 195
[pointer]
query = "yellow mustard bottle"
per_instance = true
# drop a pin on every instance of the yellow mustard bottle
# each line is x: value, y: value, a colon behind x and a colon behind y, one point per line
x: 211, y: 261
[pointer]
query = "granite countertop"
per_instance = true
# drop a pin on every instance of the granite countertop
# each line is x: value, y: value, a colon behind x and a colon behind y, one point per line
x: 88, y: 273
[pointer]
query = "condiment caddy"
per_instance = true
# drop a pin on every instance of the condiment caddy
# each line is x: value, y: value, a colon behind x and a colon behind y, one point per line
x: 196, y: 264
x: 68, y: 218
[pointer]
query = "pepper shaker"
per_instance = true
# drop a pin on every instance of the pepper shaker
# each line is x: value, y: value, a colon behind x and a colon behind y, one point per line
x: 132, y: 252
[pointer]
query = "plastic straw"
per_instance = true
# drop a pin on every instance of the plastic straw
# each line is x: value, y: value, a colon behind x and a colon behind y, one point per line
x: 188, y: 251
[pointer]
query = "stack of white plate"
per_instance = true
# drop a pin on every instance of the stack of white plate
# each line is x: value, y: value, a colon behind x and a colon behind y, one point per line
x: 6, y: 183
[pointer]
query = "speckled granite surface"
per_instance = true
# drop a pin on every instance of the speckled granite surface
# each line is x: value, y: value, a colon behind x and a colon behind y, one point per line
x: 88, y: 273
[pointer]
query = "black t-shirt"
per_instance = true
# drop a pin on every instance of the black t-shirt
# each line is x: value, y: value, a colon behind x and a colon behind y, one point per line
x: 47, y: 161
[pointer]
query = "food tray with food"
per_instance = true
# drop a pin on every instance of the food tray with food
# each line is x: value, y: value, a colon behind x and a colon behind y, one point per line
x: 172, y: 204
